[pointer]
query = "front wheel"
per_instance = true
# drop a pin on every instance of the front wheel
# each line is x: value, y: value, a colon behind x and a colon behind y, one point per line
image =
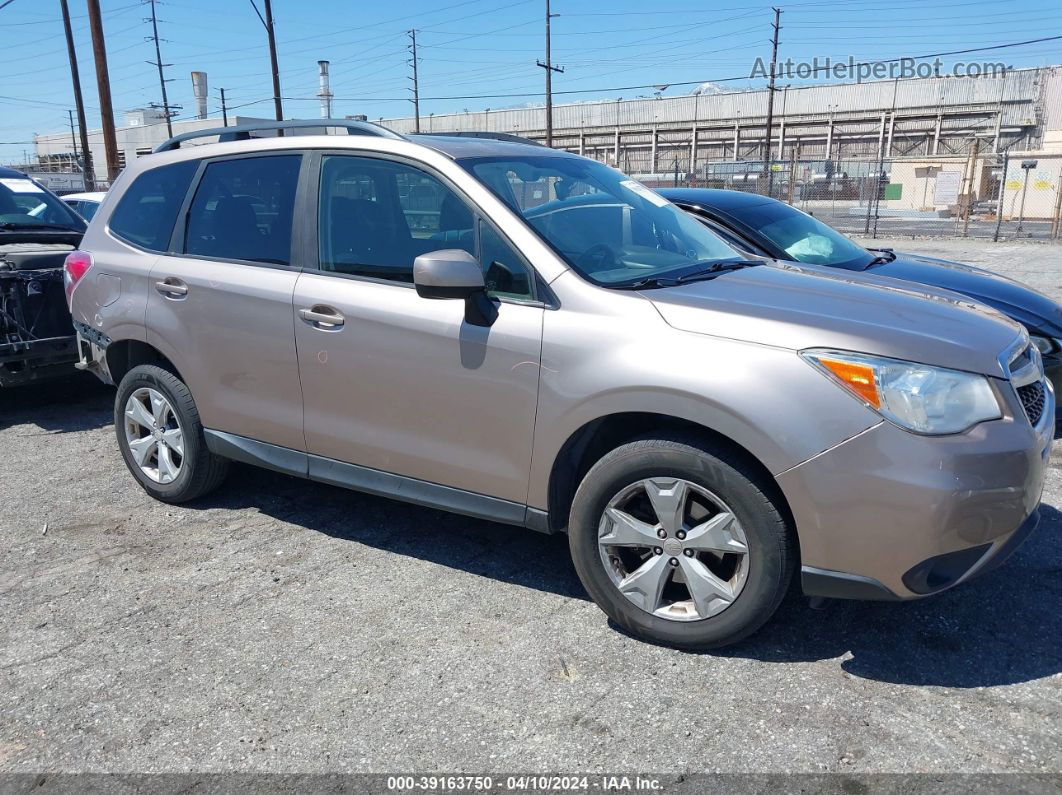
x: 161, y: 437
x: 680, y: 543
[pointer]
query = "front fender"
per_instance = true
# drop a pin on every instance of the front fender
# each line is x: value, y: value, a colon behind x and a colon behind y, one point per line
x: 766, y: 399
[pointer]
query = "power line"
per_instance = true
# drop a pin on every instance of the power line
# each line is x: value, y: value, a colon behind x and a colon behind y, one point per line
x: 111, y: 12
x: 603, y: 90
x: 687, y: 82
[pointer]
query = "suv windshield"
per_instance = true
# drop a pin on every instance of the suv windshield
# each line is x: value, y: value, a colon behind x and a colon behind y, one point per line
x: 804, y: 238
x: 26, y: 205
x: 608, y: 227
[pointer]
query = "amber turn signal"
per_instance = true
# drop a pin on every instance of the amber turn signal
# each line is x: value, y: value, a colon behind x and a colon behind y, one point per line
x: 859, y: 378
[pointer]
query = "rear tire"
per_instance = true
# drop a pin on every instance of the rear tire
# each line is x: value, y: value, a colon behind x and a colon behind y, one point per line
x: 725, y: 558
x: 161, y: 437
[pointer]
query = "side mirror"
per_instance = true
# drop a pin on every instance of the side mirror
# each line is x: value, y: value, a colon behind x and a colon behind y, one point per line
x: 454, y: 273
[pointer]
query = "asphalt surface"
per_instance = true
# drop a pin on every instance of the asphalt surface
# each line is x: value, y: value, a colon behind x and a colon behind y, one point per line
x: 281, y: 625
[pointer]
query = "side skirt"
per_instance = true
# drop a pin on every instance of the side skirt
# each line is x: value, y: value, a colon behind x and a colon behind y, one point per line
x: 373, y: 481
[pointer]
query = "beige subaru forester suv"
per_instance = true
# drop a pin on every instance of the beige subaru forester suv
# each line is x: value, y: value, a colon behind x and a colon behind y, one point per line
x: 528, y: 336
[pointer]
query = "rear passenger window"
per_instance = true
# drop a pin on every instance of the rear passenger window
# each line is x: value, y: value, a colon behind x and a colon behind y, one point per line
x: 147, y: 211
x: 243, y: 209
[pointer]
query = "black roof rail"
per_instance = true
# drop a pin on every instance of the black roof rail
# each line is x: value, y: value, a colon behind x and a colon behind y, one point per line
x: 495, y: 136
x: 242, y: 132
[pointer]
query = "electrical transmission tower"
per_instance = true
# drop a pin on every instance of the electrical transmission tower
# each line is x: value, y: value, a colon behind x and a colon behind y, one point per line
x: 416, y: 84
x: 550, y: 69
x: 168, y: 110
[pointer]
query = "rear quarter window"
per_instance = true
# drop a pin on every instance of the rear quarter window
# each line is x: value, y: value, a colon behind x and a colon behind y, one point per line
x: 148, y: 210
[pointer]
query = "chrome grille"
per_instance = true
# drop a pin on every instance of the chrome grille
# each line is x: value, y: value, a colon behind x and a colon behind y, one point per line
x: 1033, y: 398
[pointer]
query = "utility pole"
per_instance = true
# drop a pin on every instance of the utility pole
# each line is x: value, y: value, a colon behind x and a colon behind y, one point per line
x: 273, y: 61
x: 550, y: 69
x: 416, y: 84
x: 158, y: 64
x: 224, y: 110
x: 103, y: 82
x: 267, y: 23
x: 770, y: 99
x: 79, y: 103
x: 999, y: 196
x: 73, y: 138
x: 968, y: 189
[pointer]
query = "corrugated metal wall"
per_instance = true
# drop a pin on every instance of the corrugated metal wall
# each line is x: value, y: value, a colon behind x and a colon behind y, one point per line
x: 1019, y: 91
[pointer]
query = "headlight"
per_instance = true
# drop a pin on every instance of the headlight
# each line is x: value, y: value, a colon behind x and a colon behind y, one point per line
x: 1043, y: 344
x: 920, y: 398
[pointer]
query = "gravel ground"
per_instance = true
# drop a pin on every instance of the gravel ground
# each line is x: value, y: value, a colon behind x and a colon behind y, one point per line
x: 281, y: 625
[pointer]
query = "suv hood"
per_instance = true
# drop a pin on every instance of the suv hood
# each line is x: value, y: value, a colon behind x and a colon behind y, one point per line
x: 1035, y: 310
x: 800, y: 307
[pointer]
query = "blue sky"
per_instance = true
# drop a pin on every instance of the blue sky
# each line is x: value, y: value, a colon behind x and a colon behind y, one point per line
x: 468, y: 47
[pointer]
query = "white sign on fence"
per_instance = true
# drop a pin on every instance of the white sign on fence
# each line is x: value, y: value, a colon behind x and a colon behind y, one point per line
x: 946, y: 188
x: 59, y: 182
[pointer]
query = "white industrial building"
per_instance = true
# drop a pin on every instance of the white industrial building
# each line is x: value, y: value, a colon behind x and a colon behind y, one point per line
x: 143, y: 130
x: 704, y: 135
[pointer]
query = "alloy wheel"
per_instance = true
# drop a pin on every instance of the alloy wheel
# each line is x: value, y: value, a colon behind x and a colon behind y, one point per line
x: 673, y: 549
x: 154, y: 435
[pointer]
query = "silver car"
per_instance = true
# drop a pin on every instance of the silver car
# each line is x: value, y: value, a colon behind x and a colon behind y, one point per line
x: 527, y: 336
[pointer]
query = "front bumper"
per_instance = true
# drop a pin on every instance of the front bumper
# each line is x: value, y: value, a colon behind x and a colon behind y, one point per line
x: 1053, y: 373
x: 889, y: 514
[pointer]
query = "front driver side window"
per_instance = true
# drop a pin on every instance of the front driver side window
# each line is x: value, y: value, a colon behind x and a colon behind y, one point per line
x: 376, y: 216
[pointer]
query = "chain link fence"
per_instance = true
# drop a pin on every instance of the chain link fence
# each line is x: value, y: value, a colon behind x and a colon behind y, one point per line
x: 991, y: 197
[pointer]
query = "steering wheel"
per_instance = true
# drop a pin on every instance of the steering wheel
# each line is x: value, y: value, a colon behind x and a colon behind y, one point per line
x: 598, y: 257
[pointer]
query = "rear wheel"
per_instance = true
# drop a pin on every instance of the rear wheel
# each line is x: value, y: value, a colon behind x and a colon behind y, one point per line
x: 679, y: 543
x: 161, y: 437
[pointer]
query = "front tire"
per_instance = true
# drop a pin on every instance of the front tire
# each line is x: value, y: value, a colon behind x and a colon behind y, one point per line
x: 161, y: 437
x: 680, y: 542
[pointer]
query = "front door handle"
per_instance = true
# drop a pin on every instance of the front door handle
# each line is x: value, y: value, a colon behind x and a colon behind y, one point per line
x: 172, y: 287
x: 322, y: 317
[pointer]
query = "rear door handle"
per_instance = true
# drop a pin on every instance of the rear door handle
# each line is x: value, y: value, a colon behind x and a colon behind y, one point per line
x: 172, y: 287
x: 322, y: 317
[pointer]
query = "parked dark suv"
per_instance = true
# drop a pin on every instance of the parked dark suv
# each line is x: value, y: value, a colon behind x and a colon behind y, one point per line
x: 770, y: 228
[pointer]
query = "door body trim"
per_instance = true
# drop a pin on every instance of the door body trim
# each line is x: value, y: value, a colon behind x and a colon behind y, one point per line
x: 372, y: 481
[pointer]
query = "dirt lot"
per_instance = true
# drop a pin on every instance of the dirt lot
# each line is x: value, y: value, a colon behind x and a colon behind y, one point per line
x: 281, y: 625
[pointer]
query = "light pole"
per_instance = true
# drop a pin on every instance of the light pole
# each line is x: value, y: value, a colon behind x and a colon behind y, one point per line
x: 1026, y: 166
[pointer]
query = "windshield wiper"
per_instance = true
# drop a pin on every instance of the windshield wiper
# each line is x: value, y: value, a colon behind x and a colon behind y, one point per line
x: 707, y: 269
x: 718, y: 266
x: 887, y: 255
